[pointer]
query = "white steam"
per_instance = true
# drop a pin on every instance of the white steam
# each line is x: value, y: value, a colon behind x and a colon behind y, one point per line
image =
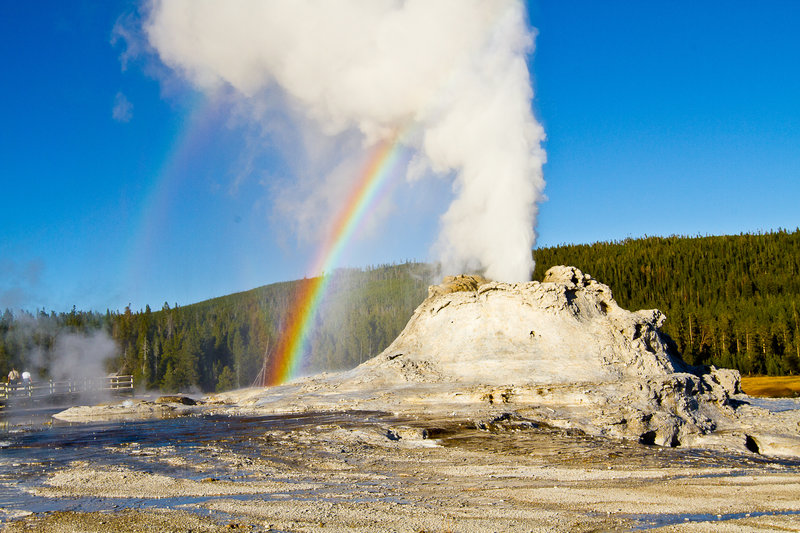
x: 449, y: 75
x: 81, y: 355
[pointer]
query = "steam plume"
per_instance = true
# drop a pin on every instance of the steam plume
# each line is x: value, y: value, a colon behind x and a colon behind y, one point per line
x: 450, y: 75
x: 78, y: 356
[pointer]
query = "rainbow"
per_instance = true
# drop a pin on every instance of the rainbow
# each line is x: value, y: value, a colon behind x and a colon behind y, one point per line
x: 284, y: 360
x: 194, y: 131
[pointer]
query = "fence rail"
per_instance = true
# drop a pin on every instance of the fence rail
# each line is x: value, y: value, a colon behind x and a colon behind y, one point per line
x: 52, y: 389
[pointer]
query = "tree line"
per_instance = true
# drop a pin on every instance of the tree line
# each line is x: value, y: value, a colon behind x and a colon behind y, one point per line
x: 220, y: 344
x: 730, y: 301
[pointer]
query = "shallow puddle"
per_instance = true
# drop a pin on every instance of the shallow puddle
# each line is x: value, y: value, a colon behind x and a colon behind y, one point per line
x: 573, y: 449
x: 652, y: 521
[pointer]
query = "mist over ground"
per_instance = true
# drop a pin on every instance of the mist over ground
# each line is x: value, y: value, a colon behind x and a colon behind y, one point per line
x: 58, y: 347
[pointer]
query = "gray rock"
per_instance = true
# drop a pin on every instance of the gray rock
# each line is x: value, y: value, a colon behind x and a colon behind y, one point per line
x: 564, y: 343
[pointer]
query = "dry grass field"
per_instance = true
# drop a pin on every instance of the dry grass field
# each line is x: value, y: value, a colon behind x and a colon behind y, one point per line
x: 772, y: 386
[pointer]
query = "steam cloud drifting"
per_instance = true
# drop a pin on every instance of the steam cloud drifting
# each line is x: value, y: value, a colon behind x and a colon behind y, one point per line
x: 450, y: 75
x: 77, y: 356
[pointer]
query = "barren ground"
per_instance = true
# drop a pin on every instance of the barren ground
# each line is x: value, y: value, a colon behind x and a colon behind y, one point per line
x: 772, y: 386
x: 376, y: 473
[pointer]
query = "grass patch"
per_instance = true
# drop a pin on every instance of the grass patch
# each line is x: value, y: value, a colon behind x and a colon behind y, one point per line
x: 772, y: 386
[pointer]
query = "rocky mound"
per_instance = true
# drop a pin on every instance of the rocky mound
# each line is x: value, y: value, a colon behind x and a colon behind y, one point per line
x: 567, y: 329
x: 561, y: 352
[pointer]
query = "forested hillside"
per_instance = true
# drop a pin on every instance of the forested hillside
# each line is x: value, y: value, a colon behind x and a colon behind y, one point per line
x: 220, y: 344
x: 730, y: 301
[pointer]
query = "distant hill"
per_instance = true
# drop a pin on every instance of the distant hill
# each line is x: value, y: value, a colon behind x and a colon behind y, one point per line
x: 730, y: 301
x: 221, y: 343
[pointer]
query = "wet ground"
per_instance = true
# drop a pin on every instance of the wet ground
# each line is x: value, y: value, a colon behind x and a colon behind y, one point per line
x: 33, y: 446
x: 368, y: 471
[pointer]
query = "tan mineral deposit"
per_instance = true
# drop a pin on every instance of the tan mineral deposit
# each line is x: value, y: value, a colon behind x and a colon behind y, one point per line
x: 500, y: 407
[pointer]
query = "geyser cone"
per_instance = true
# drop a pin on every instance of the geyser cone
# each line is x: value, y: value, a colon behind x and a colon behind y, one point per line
x: 567, y: 329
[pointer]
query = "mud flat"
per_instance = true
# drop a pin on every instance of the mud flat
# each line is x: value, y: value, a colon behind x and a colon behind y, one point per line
x: 372, y: 472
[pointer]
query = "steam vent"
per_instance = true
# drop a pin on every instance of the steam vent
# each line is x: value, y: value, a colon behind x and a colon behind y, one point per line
x: 560, y: 352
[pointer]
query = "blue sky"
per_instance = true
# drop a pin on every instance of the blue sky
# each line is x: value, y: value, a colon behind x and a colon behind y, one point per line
x: 121, y: 187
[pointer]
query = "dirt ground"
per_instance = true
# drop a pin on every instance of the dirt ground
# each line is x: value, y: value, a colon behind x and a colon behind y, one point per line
x: 420, y: 475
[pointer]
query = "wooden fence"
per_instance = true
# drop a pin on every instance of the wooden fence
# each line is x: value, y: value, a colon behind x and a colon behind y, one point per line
x: 54, y: 390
